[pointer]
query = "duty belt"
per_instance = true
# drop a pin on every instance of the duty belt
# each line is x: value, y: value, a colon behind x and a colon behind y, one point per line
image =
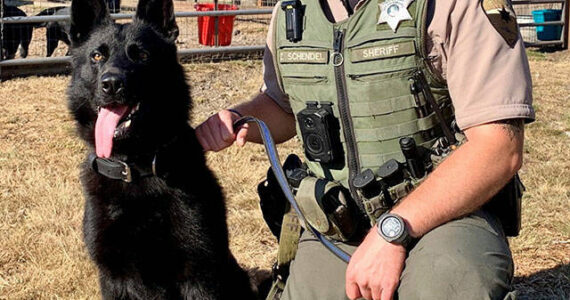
x: 281, y: 179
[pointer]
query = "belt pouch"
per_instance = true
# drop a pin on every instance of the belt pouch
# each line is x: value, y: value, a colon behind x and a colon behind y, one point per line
x: 324, y: 205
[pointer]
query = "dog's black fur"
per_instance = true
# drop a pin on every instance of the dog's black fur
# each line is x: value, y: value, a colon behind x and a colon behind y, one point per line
x: 158, y: 237
x: 55, y: 30
x: 14, y: 35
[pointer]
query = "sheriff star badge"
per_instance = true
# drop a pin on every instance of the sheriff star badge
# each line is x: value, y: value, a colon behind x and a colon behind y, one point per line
x: 394, y: 11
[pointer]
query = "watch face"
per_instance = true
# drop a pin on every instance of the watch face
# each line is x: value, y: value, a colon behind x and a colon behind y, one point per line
x: 391, y: 227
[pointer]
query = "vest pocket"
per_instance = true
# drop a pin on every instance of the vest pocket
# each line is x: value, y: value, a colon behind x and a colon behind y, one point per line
x: 379, y: 93
x: 382, y: 76
x: 293, y: 79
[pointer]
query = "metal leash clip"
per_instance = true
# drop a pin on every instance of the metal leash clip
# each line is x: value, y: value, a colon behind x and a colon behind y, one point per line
x: 126, y: 172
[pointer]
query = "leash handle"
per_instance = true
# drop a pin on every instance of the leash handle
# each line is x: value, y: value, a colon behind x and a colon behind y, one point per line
x: 280, y: 175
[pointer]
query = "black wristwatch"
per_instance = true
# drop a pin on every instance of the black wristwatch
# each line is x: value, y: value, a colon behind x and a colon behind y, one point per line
x: 392, y: 228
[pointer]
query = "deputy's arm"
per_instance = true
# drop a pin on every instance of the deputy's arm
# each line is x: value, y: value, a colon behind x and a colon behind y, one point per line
x: 460, y: 185
x: 217, y: 132
x: 468, y: 178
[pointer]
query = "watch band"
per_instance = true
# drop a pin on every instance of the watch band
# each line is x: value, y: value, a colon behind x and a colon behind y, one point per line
x: 403, y: 238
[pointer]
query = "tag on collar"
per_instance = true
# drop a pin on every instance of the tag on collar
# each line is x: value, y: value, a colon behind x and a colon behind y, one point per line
x: 393, y: 12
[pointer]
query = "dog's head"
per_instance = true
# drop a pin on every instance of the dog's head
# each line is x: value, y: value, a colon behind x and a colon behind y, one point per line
x: 128, y: 92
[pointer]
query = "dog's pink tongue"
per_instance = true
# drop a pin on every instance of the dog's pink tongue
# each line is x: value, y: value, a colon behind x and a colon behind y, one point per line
x: 107, y: 121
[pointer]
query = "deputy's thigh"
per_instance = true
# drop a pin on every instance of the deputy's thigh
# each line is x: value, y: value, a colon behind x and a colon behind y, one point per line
x: 315, y: 272
x: 467, y: 258
x: 463, y: 259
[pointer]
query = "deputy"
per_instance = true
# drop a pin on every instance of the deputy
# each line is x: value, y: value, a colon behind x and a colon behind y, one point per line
x: 364, y: 62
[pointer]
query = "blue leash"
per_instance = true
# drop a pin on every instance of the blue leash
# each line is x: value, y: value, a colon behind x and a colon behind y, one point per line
x: 280, y: 175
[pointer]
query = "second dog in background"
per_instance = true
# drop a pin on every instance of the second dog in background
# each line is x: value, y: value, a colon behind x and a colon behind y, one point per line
x: 55, y: 30
x: 59, y: 30
x: 15, y: 35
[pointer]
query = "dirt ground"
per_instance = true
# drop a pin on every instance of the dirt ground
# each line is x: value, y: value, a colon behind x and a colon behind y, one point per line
x: 42, y: 255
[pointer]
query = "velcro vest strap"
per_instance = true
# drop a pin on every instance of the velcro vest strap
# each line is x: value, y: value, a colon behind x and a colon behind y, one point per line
x: 370, y: 160
x: 392, y: 132
x: 288, y: 243
x: 364, y: 109
x: 288, y: 238
x: 376, y: 206
x: 309, y: 196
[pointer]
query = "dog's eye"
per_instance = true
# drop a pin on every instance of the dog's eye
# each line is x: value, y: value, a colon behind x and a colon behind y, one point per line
x: 96, y: 56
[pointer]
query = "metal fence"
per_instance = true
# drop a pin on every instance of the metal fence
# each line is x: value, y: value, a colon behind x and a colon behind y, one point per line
x: 247, y: 33
x: 530, y: 29
x: 204, y: 34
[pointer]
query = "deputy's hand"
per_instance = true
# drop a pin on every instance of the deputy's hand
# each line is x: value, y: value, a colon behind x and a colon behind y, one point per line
x: 375, y: 268
x: 217, y: 132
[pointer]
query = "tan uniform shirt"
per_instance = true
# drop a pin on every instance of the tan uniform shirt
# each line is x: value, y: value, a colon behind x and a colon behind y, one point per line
x: 488, y: 80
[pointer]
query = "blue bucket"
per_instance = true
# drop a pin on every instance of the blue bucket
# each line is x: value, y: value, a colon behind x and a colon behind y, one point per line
x: 547, y: 33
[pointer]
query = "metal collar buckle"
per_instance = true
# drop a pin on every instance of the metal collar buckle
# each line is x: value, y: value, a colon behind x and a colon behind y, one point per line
x: 154, y: 166
x: 126, y: 172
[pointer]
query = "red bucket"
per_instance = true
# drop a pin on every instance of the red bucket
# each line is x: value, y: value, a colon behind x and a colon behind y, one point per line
x: 206, y: 25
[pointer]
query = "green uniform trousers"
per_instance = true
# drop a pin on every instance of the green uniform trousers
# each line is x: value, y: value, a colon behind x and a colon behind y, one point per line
x: 467, y: 258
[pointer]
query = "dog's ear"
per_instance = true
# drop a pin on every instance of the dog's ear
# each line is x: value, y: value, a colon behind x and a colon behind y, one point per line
x: 86, y: 15
x: 160, y: 14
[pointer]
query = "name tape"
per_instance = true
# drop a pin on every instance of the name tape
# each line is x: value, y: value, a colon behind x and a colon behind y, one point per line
x: 304, y: 56
x: 383, y: 51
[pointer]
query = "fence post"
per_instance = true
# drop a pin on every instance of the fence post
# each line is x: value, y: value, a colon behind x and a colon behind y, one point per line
x: 1, y: 34
x: 216, y: 25
x: 565, y: 33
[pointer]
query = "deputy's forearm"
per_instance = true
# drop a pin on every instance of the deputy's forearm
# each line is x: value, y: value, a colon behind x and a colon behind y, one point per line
x: 467, y: 179
x: 280, y: 123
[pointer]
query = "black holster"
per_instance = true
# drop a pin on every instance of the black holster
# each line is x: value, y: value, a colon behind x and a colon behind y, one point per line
x: 506, y: 205
x: 272, y: 201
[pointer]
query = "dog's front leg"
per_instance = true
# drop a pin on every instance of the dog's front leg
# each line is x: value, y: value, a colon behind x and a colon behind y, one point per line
x: 198, y: 291
x: 113, y: 290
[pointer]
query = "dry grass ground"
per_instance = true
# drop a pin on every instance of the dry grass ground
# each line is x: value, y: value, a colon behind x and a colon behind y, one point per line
x: 41, y: 250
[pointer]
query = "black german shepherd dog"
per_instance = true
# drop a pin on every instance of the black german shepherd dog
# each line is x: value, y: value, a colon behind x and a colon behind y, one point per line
x: 55, y: 30
x: 14, y: 35
x: 155, y: 218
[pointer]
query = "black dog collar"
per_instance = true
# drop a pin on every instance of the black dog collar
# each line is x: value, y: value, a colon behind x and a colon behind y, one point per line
x: 116, y: 169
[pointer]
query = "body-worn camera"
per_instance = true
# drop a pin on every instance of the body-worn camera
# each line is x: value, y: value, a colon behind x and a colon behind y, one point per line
x: 320, y: 132
x: 293, y: 19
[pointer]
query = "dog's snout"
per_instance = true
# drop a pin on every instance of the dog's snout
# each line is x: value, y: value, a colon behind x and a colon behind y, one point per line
x: 111, y: 83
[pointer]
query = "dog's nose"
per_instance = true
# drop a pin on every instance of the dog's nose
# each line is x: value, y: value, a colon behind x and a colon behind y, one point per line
x: 111, y: 84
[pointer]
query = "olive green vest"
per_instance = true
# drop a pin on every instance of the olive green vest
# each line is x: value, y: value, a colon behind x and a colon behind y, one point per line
x: 366, y: 70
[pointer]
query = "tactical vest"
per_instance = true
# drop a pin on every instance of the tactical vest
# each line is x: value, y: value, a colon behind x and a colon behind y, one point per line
x: 366, y: 70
